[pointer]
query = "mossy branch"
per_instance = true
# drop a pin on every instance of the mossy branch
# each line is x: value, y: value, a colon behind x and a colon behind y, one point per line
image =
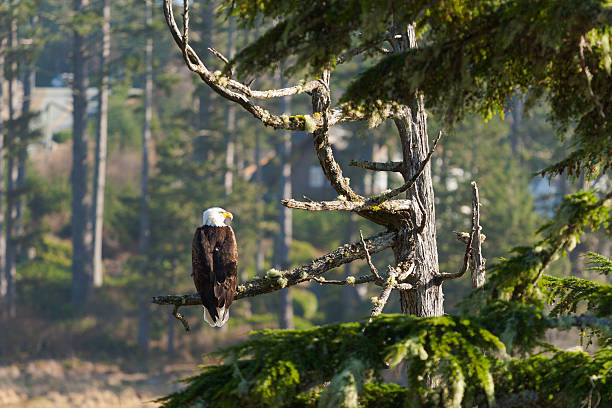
x: 230, y: 89
x: 260, y: 285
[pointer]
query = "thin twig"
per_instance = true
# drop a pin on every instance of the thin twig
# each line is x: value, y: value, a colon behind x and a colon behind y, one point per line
x: 474, y: 235
x: 369, y: 258
x: 222, y: 58
x: 180, y: 317
x: 347, y: 282
x: 380, y: 302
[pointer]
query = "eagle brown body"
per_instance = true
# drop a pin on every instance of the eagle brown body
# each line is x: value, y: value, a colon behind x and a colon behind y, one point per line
x: 214, y: 258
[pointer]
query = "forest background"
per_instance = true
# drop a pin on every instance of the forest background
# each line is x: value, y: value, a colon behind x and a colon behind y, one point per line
x: 174, y: 149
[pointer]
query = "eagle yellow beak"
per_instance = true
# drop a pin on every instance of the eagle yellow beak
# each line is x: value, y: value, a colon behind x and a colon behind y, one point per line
x: 228, y: 215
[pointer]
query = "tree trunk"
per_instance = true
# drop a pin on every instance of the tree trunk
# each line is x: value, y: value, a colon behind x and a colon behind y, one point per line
x: 11, y: 181
x: 204, y: 94
x: 2, y: 153
x: 230, y: 148
x: 82, y: 281
x: 143, y: 309
x: 101, y: 137
x: 412, y: 247
x: 282, y: 243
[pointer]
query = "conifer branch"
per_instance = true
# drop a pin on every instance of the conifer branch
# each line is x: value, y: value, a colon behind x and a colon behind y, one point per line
x: 260, y: 285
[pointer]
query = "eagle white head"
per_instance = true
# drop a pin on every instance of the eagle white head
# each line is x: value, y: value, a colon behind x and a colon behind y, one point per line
x: 217, y: 217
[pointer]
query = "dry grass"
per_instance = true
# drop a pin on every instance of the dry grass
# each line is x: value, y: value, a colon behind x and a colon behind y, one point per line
x: 78, y: 383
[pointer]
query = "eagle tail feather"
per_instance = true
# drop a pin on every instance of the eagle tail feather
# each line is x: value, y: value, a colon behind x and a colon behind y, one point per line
x: 208, y: 318
x: 222, y: 317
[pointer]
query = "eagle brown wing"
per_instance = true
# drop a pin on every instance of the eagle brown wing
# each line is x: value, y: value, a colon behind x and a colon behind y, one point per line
x: 214, y: 258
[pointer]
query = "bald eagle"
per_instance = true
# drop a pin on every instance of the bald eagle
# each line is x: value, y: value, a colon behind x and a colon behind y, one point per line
x: 214, y: 259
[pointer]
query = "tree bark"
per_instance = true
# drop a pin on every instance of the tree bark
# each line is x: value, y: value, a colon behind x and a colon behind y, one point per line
x: 101, y: 139
x: 412, y: 247
x: 283, y: 239
x: 143, y: 309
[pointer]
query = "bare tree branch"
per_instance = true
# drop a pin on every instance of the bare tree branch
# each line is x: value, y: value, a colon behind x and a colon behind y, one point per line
x: 224, y: 85
x: 477, y: 262
x: 353, y: 206
x: 320, y: 105
x: 180, y: 317
x: 376, y: 200
x: 466, y: 257
x: 369, y: 258
x: 389, y: 284
x: 347, y: 282
x: 222, y: 58
x: 377, y: 166
x: 345, y: 254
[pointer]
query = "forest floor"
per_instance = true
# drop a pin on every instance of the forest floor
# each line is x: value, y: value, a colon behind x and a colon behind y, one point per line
x: 78, y: 383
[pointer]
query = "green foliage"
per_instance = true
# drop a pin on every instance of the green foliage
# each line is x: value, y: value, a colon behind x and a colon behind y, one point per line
x: 515, y: 278
x: 289, y: 368
x: 566, y: 379
x: 48, y: 273
x: 566, y: 293
x: 347, y: 355
x: 475, y: 56
x: 519, y: 326
x: 599, y: 263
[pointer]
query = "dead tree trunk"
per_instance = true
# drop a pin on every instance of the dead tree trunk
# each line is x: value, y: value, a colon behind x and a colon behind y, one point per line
x: 101, y: 137
x: 413, y: 246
